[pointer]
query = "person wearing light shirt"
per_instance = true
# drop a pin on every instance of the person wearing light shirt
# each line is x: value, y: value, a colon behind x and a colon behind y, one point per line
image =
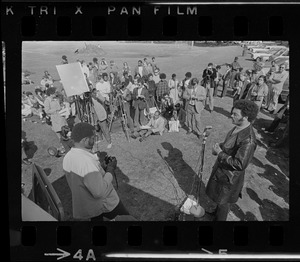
x: 156, y: 126
x: 156, y: 77
x: 277, y: 80
x: 103, y: 87
x: 195, y: 96
x: 173, y: 85
x: 93, y: 194
x: 85, y: 68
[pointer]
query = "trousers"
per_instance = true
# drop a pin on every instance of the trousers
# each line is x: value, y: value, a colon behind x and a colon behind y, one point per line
x: 118, y: 210
x: 104, y: 130
x: 273, y: 99
x: 139, y: 117
x: 210, y: 98
x: 195, y: 124
x: 222, y: 212
x: 129, y: 119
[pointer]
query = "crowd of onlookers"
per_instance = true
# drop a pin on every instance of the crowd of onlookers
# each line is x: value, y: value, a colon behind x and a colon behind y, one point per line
x: 152, y: 103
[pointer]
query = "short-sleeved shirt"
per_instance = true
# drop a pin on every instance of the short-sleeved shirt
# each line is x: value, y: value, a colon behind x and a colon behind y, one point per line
x: 92, y: 190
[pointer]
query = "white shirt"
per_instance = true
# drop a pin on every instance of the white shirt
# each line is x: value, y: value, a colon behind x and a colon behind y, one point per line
x: 92, y: 189
x: 104, y: 89
x: 85, y: 70
x: 139, y: 91
x: 156, y: 78
x: 141, y: 70
x: 131, y: 87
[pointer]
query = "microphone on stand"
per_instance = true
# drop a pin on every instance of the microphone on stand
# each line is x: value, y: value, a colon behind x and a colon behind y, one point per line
x: 206, y: 133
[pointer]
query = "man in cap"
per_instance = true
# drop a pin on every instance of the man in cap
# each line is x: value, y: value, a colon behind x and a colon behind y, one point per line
x: 93, y: 195
x: 162, y: 88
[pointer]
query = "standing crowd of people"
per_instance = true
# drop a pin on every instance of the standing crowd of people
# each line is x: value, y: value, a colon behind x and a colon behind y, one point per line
x: 154, y: 105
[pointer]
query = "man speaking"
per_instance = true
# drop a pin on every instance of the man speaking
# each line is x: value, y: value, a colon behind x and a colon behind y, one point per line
x: 233, y: 156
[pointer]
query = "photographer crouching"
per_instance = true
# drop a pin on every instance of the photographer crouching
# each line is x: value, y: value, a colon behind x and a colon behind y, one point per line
x: 93, y: 195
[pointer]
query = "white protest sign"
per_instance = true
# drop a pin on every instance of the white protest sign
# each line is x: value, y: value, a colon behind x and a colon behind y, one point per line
x: 73, y: 79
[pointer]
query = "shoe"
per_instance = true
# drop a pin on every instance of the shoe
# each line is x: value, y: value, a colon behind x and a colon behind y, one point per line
x: 109, y: 146
x: 26, y: 161
x: 189, y: 132
x: 199, y: 136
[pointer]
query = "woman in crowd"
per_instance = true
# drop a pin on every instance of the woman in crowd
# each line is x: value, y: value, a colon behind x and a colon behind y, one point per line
x: 259, y: 91
x: 126, y: 68
x: 36, y: 108
x: 52, y: 108
x: 101, y: 115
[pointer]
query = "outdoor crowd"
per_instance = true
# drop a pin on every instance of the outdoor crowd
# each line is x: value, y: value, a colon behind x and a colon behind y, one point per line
x: 153, y: 105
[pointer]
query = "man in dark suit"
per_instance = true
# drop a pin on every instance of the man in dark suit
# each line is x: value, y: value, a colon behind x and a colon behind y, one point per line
x: 140, y: 98
x: 233, y: 157
x: 226, y: 79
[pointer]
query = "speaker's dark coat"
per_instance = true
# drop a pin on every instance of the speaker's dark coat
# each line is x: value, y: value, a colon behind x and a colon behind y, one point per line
x: 227, y: 178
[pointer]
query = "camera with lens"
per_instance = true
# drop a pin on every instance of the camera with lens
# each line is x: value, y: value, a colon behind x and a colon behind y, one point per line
x: 108, y: 159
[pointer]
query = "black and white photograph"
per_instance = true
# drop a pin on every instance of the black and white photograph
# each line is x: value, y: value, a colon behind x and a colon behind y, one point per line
x: 155, y: 130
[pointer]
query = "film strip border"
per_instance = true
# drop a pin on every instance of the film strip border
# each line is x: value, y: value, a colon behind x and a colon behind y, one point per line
x: 110, y: 241
x: 134, y: 21
x: 137, y: 21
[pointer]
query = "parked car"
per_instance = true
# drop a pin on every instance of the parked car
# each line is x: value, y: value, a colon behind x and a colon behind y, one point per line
x: 283, y: 53
x: 267, y: 48
x: 264, y: 55
x: 281, y: 60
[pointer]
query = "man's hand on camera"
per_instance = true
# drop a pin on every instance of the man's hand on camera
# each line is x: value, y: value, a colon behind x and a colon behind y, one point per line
x: 112, y: 164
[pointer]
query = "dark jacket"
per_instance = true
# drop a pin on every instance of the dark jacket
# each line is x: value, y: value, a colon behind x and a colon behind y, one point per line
x: 209, y: 76
x: 227, y: 178
x: 137, y: 101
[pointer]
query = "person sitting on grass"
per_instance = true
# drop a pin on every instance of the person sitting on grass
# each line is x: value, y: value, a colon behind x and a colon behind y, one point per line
x: 25, y: 107
x: 174, y: 122
x: 156, y: 126
x: 167, y: 106
x: 281, y: 117
x: 36, y: 108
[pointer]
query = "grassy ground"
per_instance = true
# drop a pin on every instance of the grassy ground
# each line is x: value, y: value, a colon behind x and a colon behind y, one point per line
x: 155, y: 175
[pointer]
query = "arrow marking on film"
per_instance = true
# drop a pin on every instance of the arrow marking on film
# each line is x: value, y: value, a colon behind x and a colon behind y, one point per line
x: 61, y: 255
x: 206, y: 251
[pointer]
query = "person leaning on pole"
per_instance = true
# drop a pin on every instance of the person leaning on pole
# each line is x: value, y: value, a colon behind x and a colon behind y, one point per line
x: 226, y: 181
x: 93, y: 194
